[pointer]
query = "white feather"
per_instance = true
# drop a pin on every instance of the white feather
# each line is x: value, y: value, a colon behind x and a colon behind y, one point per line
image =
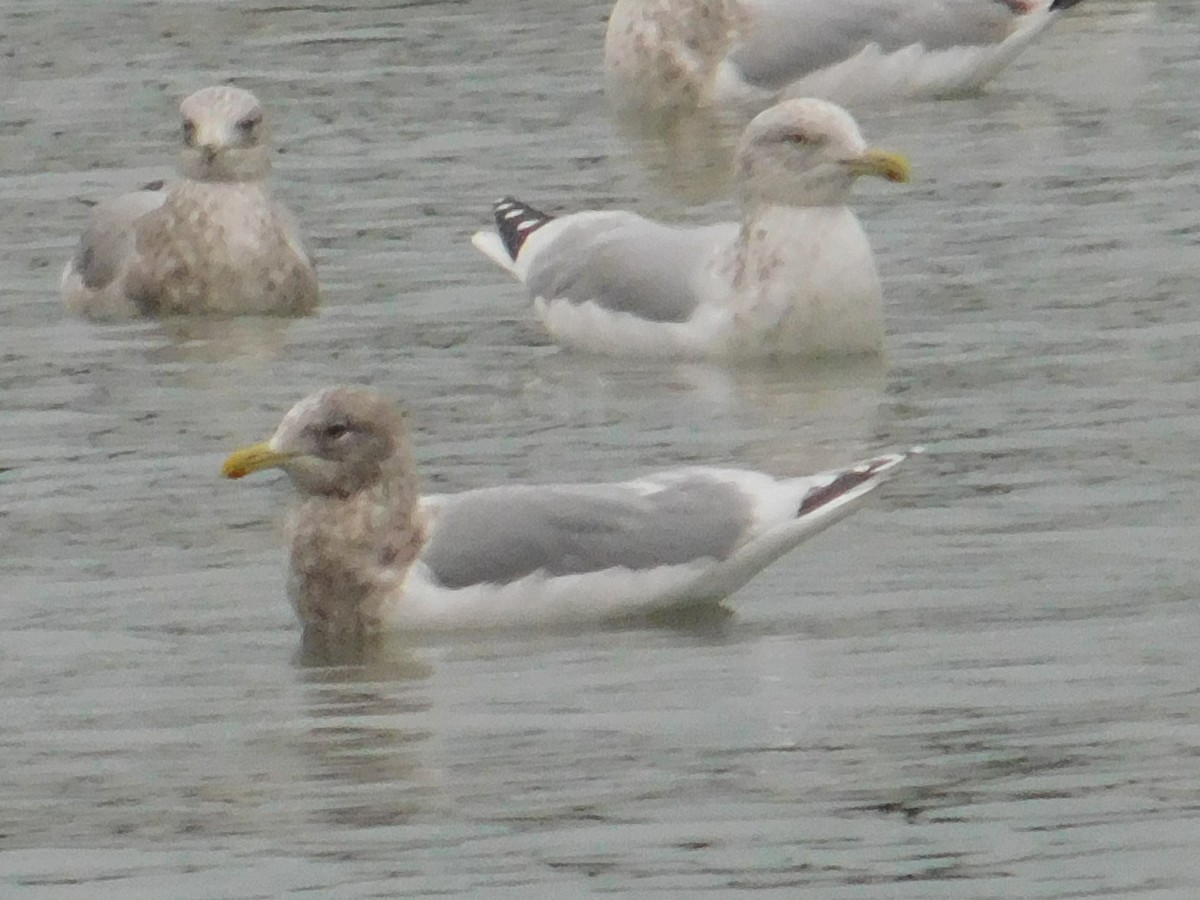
x: 418, y: 602
x: 490, y: 245
x: 675, y: 54
x: 795, y: 277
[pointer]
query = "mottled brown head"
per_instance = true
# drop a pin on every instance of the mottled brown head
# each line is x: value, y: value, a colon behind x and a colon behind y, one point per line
x: 334, y: 443
x: 224, y: 136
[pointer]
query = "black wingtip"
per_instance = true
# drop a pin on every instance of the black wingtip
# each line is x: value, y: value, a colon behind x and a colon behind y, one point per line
x: 844, y: 483
x: 1063, y: 4
x: 516, y: 221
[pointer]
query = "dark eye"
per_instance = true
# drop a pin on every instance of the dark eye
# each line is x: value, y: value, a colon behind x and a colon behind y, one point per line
x: 189, y: 131
x: 799, y: 137
x: 335, y: 431
x: 247, y: 125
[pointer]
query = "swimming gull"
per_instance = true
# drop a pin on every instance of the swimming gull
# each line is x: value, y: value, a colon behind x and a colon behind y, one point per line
x: 369, y: 553
x: 796, y: 277
x: 680, y: 54
x: 211, y: 242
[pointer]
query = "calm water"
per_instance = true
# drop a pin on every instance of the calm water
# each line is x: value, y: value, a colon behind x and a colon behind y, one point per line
x: 984, y: 685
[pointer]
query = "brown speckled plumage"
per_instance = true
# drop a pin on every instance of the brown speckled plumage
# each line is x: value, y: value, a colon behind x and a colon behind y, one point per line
x: 358, y: 527
x: 214, y: 242
x: 672, y: 57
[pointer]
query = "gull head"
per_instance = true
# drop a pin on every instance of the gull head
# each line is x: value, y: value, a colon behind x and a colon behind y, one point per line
x: 808, y: 152
x: 224, y: 136
x: 334, y: 443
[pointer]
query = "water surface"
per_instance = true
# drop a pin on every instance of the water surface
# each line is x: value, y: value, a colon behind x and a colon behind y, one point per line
x: 984, y: 685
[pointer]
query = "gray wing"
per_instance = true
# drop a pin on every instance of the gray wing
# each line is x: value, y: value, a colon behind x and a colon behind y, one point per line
x: 498, y: 535
x: 628, y: 264
x: 110, y: 237
x: 789, y: 39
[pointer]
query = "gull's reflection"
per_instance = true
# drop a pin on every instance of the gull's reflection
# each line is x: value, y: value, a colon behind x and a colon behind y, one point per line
x: 252, y: 339
x: 353, y: 657
x: 812, y: 411
x: 789, y: 417
x: 367, y: 729
x: 688, y: 156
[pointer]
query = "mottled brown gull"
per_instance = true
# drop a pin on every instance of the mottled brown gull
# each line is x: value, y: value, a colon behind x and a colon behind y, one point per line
x: 796, y: 277
x: 369, y: 553
x: 680, y: 54
x: 212, y: 241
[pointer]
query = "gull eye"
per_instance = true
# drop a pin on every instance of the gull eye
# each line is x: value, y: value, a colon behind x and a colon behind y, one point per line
x: 189, y: 132
x: 247, y: 125
x: 799, y: 137
x: 335, y: 430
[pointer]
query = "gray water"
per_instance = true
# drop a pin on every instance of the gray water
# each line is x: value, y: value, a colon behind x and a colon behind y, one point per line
x: 983, y: 685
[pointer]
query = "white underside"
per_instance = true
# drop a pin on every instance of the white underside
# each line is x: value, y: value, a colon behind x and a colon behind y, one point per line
x: 588, y: 326
x: 420, y: 603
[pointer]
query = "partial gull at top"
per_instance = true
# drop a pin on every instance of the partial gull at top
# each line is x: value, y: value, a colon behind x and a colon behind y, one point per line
x: 369, y: 553
x: 663, y: 55
x: 210, y: 242
x: 794, y: 278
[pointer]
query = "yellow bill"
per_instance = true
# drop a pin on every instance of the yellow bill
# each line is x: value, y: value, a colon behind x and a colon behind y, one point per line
x: 883, y: 164
x: 254, y: 458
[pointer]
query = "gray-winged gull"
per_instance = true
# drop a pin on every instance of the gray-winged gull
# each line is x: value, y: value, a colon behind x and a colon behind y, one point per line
x: 368, y: 552
x: 211, y: 242
x: 796, y: 277
x: 679, y: 54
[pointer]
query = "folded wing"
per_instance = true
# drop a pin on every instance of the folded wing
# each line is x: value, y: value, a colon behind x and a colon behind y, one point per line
x: 500, y: 535
x: 789, y: 39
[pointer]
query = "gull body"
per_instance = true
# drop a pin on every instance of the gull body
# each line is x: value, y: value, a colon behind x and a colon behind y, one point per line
x: 795, y: 277
x: 369, y: 553
x: 212, y: 241
x: 664, y: 55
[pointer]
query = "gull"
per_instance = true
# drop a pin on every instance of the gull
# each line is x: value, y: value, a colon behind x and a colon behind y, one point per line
x: 369, y: 553
x: 795, y: 277
x: 674, y: 55
x: 211, y: 242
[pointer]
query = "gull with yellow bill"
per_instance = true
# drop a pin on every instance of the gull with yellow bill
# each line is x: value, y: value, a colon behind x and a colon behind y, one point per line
x: 369, y: 553
x: 794, y: 278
